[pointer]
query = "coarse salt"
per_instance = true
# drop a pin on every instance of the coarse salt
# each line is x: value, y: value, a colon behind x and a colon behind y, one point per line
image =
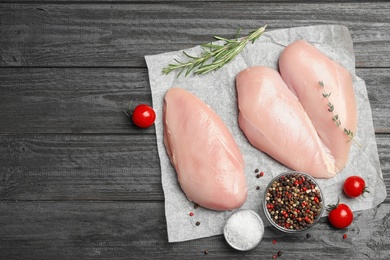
x: 243, y: 230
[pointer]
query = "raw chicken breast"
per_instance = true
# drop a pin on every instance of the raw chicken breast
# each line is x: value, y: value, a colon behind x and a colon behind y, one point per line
x: 274, y: 122
x: 302, y: 67
x: 207, y: 160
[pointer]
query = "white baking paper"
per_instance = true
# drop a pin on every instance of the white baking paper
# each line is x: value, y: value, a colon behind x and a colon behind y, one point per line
x: 217, y: 89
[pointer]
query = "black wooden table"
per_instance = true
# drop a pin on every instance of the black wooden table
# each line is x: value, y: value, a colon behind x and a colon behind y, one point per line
x: 79, y: 181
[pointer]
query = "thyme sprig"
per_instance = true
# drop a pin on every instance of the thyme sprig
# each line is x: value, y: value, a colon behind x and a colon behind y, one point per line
x: 335, y: 117
x: 214, y: 56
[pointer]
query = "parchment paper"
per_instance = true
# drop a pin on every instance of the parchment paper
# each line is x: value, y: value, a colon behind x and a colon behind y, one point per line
x: 217, y: 89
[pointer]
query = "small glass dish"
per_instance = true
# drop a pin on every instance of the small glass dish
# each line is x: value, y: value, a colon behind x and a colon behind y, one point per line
x: 293, y: 202
x: 243, y: 230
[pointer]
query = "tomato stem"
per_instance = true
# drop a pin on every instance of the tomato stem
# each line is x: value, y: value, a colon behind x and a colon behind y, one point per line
x: 364, y: 191
x: 333, y: 206
x: 127, y: 113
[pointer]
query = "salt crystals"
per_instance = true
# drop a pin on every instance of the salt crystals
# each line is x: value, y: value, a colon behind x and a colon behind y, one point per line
x: 244, y: 230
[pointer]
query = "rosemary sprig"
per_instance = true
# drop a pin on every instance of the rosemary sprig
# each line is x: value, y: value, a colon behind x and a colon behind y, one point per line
x: 214, y: 56
x: 335, y: 117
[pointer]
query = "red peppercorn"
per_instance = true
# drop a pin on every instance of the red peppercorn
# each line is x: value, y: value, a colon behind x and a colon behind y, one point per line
x: 345, y: 236
x: 191, y: 214
x: 261, y: 174
x: 274, y: 241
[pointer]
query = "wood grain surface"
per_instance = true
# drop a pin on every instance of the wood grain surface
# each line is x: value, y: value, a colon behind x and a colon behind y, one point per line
x: 79, y: 181
x: 58, y: 35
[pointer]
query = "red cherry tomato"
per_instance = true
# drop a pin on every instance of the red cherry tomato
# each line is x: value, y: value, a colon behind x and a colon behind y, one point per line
x: 143, y: 116
x: 354, y: 186
x: 340, y: 216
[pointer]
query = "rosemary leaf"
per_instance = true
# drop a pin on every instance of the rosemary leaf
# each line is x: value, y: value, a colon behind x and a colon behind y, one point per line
x: 237, y: 34
x: 212, y: 46
x: 214, y: 56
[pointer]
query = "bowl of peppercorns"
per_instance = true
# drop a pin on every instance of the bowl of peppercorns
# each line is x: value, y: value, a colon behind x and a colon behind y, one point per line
x: 293, y: 202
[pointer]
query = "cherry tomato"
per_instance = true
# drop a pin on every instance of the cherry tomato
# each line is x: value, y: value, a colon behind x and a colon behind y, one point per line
x: 354, y: 186
x: 340, y: 216
x: 143, y: 116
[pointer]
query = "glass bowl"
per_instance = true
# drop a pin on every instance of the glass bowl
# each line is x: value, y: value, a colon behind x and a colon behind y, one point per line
x: 293, y: 202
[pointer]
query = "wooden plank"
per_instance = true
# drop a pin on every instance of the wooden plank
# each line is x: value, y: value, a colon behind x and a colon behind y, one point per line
x: 94, y: 167
x: 71, y: 100
x: 383, y: 144
x: 377, y: 83
x: 121, y: 34
x: 112, y: 230
x: 79, y: 167
x: 91, y: 100
x: 61, y: 230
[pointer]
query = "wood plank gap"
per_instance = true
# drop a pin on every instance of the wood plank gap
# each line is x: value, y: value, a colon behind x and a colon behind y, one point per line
x: 124, y: 67
x: 72, y: 67
x: 63, y: 2
x: 152, y: 201
x: 141, y: 133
